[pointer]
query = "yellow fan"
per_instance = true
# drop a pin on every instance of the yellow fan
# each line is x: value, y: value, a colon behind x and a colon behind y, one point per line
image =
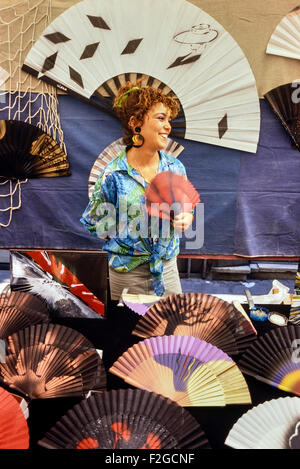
x: 187, y: 370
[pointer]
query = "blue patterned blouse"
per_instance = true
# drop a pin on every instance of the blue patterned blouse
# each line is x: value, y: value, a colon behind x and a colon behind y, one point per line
x: 117, y: 213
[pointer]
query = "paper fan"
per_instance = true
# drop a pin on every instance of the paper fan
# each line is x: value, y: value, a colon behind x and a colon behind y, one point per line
x: 170, y: 193
x: 269, y: 425
x: 274, y: 358
x: 185, y: 369
x: 114, y: 149
x: 126, y: 419
x: 285, y: 104
x: 200, y: 315
x: 26, y: 151
x: 173, y: 43
x: 19, y: 310
x: 14, y: 432
x: 139, y: 303
x: 285, y: 40
x: 29, y: 276
x: 45, y: 361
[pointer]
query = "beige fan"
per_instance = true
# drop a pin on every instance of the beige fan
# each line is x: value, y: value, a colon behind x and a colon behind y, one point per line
x: 285, y: 40
x: 270, y: 425
x: 113, y: 150
x: 46, y: 361
x: 19, y: 310
x: 200, y: 315
x: 172, y: 42
x: 187, y: 370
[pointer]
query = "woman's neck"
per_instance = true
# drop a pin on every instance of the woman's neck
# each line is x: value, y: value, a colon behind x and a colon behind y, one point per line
x: 142, y: 157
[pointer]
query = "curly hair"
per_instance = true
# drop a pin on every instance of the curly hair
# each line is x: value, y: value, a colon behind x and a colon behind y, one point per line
x: 133, y: 99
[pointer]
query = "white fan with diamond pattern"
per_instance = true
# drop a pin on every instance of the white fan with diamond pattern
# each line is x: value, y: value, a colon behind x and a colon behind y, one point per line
x: 171, y: 42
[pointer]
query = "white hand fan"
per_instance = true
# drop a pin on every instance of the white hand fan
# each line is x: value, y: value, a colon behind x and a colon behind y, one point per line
x: 173, y: 42
x: 114, y: 149
x: 126, y: 419
x: 285, y: 39
x: 270, y: 425
x: 187, y: 370
x: 274, y: 358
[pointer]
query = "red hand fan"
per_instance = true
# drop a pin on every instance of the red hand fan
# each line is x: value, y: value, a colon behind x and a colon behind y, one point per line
x: 170, y: 194
x: 14, y: 432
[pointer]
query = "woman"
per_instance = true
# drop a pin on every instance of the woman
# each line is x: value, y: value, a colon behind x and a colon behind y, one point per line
x: 138, y: 260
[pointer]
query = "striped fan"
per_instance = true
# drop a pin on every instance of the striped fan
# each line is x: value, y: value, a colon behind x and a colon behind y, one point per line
x: 274, y: 359
x: 114, y: 149
x: 187, y: 370
x: 200, y: 315
x: 14, y: 432
x: 19, y: 310
x: 47, y: 360
x: 174, y: 44
x: 285, y: 40
x: 270, y: 425
x: 284, y: 102
x: 26, y: 152
x: 170, y: 192
x: 126, y: 419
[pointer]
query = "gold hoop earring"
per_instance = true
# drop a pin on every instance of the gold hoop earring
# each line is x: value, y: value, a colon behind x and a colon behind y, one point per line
x: 137, y: 138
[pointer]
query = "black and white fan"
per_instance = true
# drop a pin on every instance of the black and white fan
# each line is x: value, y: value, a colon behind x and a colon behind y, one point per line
x: 96, y: 44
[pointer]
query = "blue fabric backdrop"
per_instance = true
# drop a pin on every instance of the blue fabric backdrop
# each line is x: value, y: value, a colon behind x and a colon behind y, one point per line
x: 251, y: 201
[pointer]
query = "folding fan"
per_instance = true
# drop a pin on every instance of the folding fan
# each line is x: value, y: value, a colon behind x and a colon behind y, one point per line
x: 274, y: 358
x: 270, y: 425
x: 285, y: 39
x: 45, y: 361
x: 174, y: 44
x: 19, y: 310
x: 185, y: 369
x: 113, y: 150
x: 199, y: 315
x: 169, y: 194
x: 284, y: 102
x: 126, y: 419
x: 28, y: 276
x: 139, y: 303
x: 26, y: 151
x: 14, y: 432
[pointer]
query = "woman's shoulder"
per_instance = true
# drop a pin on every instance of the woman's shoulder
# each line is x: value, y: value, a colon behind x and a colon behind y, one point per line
x: 173, y: 163
x: 117, y: 162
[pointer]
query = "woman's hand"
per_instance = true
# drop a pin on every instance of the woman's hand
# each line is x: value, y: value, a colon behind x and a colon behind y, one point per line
x: 183, y: 220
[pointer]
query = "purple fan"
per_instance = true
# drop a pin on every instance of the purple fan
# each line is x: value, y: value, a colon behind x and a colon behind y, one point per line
x: 139, y: 308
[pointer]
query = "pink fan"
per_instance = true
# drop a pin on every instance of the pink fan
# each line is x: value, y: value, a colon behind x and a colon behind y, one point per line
x: 170, y: 193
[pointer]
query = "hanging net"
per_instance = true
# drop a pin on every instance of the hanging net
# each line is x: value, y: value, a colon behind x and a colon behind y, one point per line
x: 24, y: 97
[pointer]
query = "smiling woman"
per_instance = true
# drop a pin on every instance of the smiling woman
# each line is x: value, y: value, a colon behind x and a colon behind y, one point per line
x: 142, y: 253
